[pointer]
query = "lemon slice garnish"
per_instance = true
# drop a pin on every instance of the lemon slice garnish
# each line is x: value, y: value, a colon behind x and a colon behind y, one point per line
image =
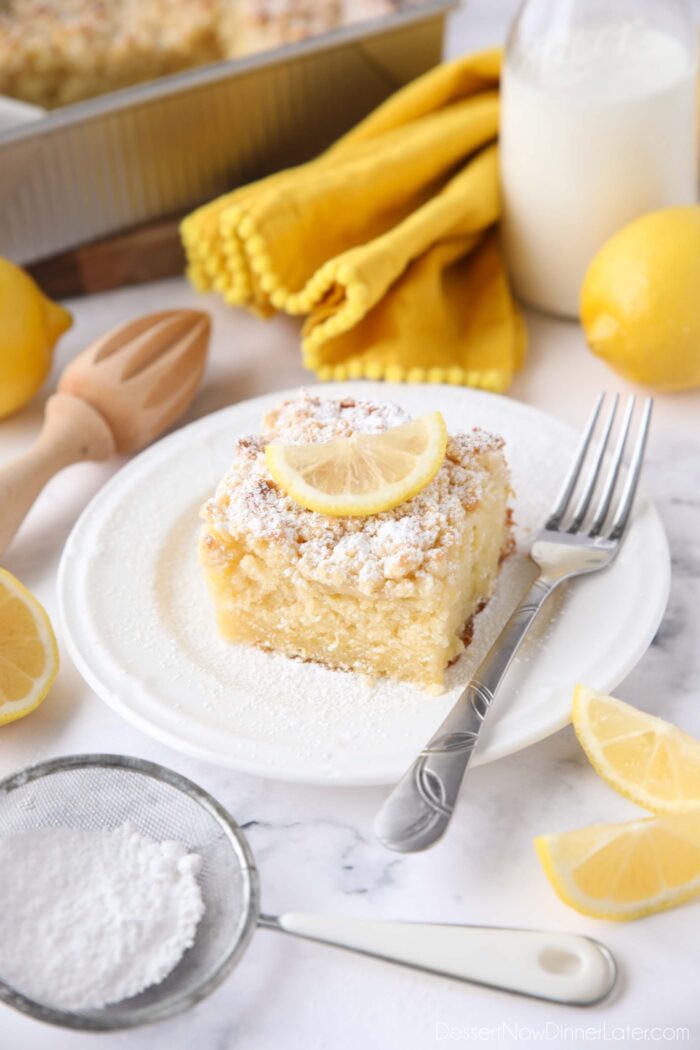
x: 363, y: 474
x: 624, y: 871
x: 28, y: 652
x: 646, y: 759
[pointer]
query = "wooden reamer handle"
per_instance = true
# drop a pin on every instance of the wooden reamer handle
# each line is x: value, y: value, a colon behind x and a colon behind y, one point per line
x: 73, y: 431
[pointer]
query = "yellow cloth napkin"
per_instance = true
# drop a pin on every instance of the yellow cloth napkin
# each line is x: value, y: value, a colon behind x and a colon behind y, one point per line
x: 385, y: 242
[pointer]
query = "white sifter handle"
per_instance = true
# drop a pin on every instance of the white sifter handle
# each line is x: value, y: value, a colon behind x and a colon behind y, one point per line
x: 563, y: 967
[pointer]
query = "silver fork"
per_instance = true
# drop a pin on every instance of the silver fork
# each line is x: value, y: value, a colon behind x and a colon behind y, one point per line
x: 417, y: 812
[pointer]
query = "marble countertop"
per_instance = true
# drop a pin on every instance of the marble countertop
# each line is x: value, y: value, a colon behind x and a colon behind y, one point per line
x: 314, y: 846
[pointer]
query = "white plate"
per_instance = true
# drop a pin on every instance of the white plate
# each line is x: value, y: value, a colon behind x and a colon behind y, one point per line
x: 140, y: 625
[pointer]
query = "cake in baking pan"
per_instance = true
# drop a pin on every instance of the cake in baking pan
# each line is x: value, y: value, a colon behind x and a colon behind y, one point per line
x: 54, y: 52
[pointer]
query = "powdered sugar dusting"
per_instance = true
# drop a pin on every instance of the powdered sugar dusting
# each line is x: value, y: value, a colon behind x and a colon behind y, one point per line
x: 396, y: 551
x: 307, y: 418
x: 320, y: 713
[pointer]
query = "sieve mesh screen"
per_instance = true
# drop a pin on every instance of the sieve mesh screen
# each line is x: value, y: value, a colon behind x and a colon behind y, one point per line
x: 104, y: 791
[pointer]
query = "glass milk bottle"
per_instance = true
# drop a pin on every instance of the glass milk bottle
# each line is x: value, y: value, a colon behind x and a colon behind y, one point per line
x: 598, y: 126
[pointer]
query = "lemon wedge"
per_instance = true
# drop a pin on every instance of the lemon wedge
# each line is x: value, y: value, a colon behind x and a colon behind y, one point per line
x: 28, y: 651
x: 647, y: 760
x: 363, y: 474
x: 624, y: 871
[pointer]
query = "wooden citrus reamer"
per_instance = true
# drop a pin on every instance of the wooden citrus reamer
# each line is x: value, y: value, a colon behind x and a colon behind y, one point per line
x: 118, y: 395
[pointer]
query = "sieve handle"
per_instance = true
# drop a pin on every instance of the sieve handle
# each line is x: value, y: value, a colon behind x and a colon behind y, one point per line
x: 561, y: 967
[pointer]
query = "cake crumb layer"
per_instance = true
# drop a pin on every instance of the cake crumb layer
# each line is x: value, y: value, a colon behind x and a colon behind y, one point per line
x: 398, y: 552
x: 388, y: 594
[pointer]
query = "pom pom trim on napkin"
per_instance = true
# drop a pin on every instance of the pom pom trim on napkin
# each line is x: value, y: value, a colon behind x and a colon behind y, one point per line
x: 385, y: 241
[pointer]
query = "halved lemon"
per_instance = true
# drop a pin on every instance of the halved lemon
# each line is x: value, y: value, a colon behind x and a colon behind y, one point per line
x: 28, y: 651
x: 363, y: 474
x: 647, y: 760
x: 624, y: 871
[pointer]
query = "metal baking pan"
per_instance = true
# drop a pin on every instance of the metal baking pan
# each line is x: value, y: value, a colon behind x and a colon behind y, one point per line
x: 96, y: 167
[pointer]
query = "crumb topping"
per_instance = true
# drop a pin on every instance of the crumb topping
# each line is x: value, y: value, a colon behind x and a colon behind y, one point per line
x: 409, y: 542
x: 53, y: 52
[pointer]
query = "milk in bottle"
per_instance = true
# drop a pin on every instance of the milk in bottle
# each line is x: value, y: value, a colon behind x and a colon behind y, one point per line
x: 598, y: 126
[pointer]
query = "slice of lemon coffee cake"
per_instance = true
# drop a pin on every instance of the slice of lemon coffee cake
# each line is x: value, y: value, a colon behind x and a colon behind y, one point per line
x: 389, y: 593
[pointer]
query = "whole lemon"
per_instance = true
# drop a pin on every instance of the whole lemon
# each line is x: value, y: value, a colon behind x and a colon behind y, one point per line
x: 640, y: 300
x: 30, y: 325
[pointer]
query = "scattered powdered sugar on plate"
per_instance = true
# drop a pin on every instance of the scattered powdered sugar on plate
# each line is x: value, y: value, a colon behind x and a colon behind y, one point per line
x: 91, y: 917
x: 141, y: 625
x: 280, y: 697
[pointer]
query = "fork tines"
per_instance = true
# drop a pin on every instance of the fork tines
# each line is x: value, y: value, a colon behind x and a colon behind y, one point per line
x: 589, y: 459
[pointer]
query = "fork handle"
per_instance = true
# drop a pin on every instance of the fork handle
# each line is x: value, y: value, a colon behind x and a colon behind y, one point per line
x: 418, y: 810
x: 73, y: 431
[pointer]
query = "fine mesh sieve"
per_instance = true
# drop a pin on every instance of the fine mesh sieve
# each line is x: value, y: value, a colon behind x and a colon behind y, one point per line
x: 104, y: 791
